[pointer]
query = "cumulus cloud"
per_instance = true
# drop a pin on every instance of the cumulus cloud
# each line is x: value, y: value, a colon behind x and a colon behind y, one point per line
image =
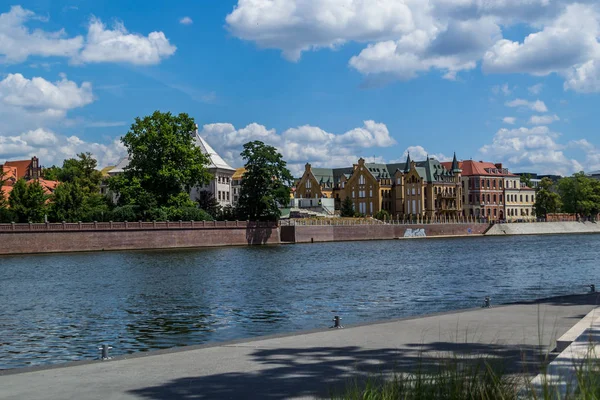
x: 418, y: 153
x: 53, y: 148
x: 509, y: 120
x: 505, y: 89
x: 537, y: 105
x: 18, y: 42
x: 535, y: 89
x: 530, y: 149
x: 24, y: 101
x: 404, y: 38
x: 301, y: 144
x: 543, y: 119
x: 186, y: 21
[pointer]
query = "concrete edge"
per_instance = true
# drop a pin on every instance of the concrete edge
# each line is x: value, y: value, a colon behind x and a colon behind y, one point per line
x: 181, y: 349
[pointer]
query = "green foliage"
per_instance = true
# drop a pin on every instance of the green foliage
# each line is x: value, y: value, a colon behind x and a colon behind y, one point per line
x: 547, y: 201
x: 383, y: 215
x: 7, y: 215
x: 580, y: 195
x: 266, y: 183
x: 51, y: 173
x: 187, y: 214
x: 207, y: 202
x: 129, y: 213
x: 347, y: 209
x: 526, y: 180
x: 28, y: 201
x: 67, y: 202
x: 164, y: 162
x: 228, y: 213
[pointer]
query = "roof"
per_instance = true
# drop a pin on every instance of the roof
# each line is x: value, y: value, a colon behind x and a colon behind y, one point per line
x: 479, y: 168
x: 104, y: 171
x: 215, y: 160
x: 6, y: 190
x: 239, y: 173
x: 10, y: 173
x: 22, y: 166
x: 49, y: 186
x: 120, y: 167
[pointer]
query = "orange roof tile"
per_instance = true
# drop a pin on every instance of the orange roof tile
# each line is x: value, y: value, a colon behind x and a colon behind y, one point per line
x: 49, y: 186
x: 10, y: 174
x: 239, y: 173
x: 478, y: 168
x: 21, y: 166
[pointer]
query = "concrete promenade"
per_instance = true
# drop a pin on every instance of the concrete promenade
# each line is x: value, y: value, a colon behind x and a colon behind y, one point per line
x: 544, y: 228
x: 309, y: 365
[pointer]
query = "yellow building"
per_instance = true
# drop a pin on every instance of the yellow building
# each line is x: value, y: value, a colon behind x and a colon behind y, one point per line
x: 424, y: 188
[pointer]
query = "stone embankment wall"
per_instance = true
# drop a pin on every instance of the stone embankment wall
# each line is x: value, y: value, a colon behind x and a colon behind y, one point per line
x: 335, y: 233
x: 54, y: 238
x: 544, y: 228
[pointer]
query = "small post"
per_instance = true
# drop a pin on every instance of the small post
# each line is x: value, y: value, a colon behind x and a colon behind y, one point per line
x: 104, y: 349
x: 592, y: 288
x: 486, y: 302
x: 336, y: 323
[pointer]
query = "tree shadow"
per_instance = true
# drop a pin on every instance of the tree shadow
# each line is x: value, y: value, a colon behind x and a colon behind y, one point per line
x: 592, y: 299
x: 258, y: 233
x: 319, y: 372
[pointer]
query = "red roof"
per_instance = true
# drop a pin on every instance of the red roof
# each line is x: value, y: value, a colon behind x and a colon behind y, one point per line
x: 10, y: 174
x: 22, y: 166
x: 49, y: 186
x: 479, y: 168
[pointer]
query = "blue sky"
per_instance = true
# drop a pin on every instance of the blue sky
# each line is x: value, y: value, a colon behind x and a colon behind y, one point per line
x: 326, y: 81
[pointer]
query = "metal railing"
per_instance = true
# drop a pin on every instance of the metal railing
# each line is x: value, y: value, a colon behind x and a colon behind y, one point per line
x: 140, y: 225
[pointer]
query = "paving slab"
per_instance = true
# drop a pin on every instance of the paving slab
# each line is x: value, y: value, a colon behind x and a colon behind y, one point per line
x: 312, y: 364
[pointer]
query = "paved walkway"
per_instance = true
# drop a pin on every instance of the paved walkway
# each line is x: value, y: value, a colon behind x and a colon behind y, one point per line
x: 309, y: 365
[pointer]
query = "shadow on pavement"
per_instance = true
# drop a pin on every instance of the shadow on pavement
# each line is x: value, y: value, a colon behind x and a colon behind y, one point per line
x: 318, y: 372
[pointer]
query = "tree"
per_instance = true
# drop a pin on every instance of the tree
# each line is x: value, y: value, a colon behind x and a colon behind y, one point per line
x: 382, y: 215
x: 67, y: 202
x: 3, y: 201
x: 580, y: 194
x: 347, y: 209
x: 266, y: 183
x: 164, y: 162
x: 547, y: 201
x: 82, y: 171
x: 28, y: 201
x: 526, y: 180
x: 207, y: 202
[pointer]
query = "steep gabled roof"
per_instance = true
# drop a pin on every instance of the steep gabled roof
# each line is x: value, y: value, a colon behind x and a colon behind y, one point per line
x: 480, y: 168
x: 22, y: 166
x: 215, y: 160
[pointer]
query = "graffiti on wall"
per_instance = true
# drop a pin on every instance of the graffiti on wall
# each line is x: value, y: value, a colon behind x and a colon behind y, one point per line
x: 412, y: 233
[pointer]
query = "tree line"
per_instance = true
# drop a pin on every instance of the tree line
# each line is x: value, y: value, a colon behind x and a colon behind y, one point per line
x: 164, y: 165
x: 577, y: 194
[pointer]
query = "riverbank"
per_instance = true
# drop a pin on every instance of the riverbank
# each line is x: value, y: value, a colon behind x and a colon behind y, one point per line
x: 310, y: 364
x: 544, y: 228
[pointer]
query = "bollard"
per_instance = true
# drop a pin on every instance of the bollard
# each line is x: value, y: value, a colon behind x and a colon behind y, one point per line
x: 486, y: 302
x: 336, y: 322
x: 592, y: 288
x: 105, y: 348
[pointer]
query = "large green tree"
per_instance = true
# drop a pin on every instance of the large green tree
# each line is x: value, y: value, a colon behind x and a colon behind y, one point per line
x: 68, y: 202
x: 580, y: 194
x: 164, y: 162
x: 547, y: 201
x: 347, y: 209
x: 28, y: 201
x: 207, y: 202
x: 266, y: 183
x: 3, y: 201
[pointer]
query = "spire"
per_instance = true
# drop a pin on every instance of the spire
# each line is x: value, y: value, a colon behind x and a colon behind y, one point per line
x: 407, y: 166
x: 455, y: 164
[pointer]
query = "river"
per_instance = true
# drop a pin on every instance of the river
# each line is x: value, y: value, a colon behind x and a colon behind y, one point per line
x: 58, y: 308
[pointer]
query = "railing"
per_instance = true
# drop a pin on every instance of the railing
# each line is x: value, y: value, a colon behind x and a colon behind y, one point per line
x: 370, y: 221
x: 140, y: 225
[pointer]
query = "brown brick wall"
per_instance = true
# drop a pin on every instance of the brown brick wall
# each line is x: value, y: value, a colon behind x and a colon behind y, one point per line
x: 52, y: 242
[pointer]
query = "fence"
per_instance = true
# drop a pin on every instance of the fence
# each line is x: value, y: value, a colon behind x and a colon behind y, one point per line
x: 108, y: 226
x: 371, y: 221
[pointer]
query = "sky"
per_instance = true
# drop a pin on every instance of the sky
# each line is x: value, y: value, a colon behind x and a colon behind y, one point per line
x: 324, y: 81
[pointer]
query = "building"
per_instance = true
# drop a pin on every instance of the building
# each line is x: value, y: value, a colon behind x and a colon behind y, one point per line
x: 219, y: 186
x: 236, y: 184
x: 594, y: 174
x: 493, y: 192
x: 29, y: 170
x: 424, y: 189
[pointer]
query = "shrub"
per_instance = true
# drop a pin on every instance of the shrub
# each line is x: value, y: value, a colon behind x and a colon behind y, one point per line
x: 125, y: 213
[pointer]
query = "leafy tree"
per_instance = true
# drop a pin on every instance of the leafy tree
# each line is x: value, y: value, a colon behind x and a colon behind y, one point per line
x: 580, y: 194
x: 3, y: 201
x: 164, y: 161
x: 228, y: 213
x: 526, y: 180
x: 67, y: 202
x: 382, y: 215
x: 266, y: 183
x: 28, y: 201
x: 547, y: 201
x: 52, y: 173
x: 347, y: 209
x: 207, y: 202
x: 82, y: 171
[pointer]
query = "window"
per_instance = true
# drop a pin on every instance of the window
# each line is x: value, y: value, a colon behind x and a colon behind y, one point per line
x: 494, y: 199
x: 361, y: 180
x: 371, y: 207
x: 308, y: 184
x: 413, y: 191
x: 488, y: 183
x: 219, y: 195
x: 353, y: 194
x: 414, y: 206
x: 488, y: 198
x: 343, y: 184
x: 371, y: 193
x: 398, y: 181
x: 227, y: 196
x: 494, y: 184
x: 500, y: 198
x: 500, y: 184
x: 521, y: 198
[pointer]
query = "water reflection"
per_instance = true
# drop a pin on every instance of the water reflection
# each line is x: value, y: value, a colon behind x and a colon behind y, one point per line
x: 59, y: 308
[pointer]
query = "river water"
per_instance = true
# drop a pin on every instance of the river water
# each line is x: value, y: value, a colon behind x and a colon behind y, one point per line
x: 57, y: 308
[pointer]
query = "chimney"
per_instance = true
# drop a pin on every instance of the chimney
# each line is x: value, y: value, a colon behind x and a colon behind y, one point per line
x: 498, y: 165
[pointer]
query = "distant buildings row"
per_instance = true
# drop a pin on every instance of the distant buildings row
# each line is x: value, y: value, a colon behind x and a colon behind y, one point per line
x: 427, y: 188
x: 29, y: 170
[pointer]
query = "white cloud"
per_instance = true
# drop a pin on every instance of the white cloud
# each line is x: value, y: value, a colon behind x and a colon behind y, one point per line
x: 543, y: 119
x: 530, y: 149
x: 509, y: 120
x: 537, y: 105
x: 535, y: 89
x: 299, y: 145
x: 186, y: 21
x: 418, y: 153
x: 53, y: 149
x: 505, y: 89
x: 18, y: 42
